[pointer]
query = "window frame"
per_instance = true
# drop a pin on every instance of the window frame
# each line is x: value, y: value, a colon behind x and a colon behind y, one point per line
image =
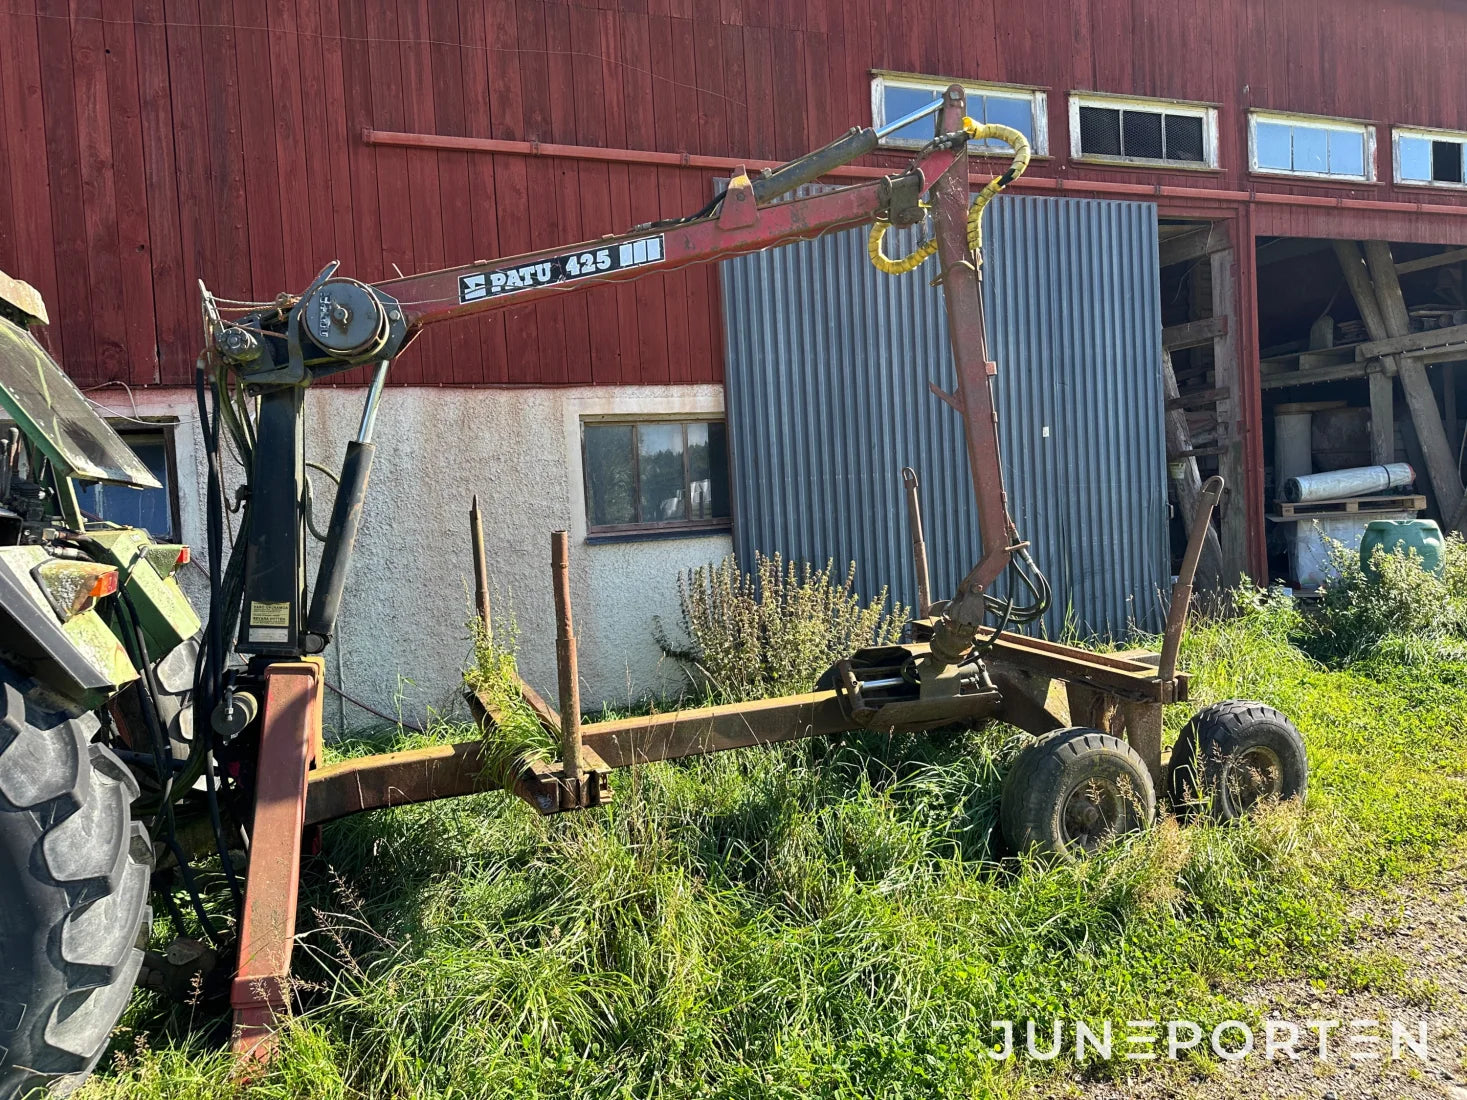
x: 1318, y: 122
x: 1207, y: 112
x: 164, y: 428
x: 1038, y: 99
x: 653, y: 528
x: 1427, y: 133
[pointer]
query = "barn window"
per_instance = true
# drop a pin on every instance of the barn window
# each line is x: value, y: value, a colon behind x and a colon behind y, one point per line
x: 655, y: 475
x: 1143, y: 131
x: 896, y: 94
x: 1302, y: 145
x: 1431, y: 157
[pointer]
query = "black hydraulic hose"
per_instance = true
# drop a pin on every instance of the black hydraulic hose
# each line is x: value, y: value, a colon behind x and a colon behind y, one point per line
x: 163, y: 755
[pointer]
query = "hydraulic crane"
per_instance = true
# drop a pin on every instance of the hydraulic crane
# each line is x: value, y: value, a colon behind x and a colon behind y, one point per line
x: 260, y: 361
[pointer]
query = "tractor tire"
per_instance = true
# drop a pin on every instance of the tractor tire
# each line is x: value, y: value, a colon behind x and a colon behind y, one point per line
x: 174, y: 674
x: 74, y: 884
x: 1072, y: 792
x: 1234, y: 755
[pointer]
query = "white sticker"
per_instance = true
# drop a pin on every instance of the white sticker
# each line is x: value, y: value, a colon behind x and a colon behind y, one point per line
x: 269, y: 634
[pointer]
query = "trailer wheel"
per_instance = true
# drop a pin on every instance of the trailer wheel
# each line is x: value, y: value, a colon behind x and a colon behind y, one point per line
x: 1073, y: 791
x: 74, y: 883
x: 1234, y: 755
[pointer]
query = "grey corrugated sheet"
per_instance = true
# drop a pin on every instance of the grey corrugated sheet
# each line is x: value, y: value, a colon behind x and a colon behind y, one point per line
x: 828, y: 362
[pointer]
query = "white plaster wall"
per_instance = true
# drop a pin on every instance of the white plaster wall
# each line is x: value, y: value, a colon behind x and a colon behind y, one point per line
x: 402, y: 639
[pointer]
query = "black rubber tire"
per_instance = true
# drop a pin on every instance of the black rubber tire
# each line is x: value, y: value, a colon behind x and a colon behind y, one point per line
x: 1232, y: 755
x: 74, y: 883
x: 1064, y: 773
x: 174, y: 674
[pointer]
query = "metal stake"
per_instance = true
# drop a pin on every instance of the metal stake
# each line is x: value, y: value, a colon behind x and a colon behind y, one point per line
x: 919, y: 545
x: 565, y: 656
x: 1176, y: 616
x: 481, y: 568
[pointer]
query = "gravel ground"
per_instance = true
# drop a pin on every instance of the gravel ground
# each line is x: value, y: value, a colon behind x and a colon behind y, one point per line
x: 1426, y: 930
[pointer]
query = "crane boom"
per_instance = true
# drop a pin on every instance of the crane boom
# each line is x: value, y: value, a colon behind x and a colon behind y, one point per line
x: 273, y: 353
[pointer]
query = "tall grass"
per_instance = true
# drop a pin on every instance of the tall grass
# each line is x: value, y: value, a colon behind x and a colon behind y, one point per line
x: 829, y: 918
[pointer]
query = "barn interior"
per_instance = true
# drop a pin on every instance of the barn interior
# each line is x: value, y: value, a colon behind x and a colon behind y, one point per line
x: 1361, y: 346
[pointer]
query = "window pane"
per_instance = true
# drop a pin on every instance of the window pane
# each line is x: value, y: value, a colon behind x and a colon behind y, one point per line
x: 1184, y: 139
x: 1272, y: 146
x: 1005, y: 111
x: 708, y: 471
x: 1346, y: 153
x: 146, y: 508
x: 660, y: 462
x: 610, y: 475
x: 1311, y: 150
x: 1100, y: 131
x: 903, y: 101
x: 1141, y: 134
x: 1415, y: 158
x: 1446, y: 161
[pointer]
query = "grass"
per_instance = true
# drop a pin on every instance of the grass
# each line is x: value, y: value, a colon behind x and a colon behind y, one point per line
x: 827, y: 918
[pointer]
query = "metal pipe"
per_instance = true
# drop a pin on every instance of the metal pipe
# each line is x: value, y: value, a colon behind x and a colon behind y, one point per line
x: 772, y: 183
x: 565, y: 657
x: 374, y: 396
x: 907, y: 120
x: 341, y: 540
x: 1176, y: 616
x: 919, y: 545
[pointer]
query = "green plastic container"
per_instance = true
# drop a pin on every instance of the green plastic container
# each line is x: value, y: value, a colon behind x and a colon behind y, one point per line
x: 1421, y: 535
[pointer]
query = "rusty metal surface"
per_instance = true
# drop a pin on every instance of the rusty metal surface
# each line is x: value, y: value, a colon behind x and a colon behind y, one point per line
x: 919, y: 544
x: 565, y: 660
x: 397, y: 779
x: 1176, y: 617
x: 289, y: 743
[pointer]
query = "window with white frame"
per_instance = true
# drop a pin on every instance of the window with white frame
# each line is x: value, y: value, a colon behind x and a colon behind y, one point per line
x: 1143, y: 131
x: 894, y: 95
x: 1432, y: 157
x: 1302, y: 145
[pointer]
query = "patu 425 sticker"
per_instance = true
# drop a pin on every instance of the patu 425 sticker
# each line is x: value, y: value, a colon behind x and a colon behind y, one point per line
x: 583, y: 264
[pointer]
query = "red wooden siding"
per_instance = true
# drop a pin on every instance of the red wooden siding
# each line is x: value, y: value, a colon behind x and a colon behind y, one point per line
x: 145, y: 144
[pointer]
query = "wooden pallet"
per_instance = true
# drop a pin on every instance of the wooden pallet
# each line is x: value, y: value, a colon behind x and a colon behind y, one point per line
x: 1410, y: 503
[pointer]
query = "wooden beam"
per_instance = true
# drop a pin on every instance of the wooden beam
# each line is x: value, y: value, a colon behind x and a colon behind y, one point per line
x: 1358, y: 280
x: 1191, y: 334
x: 1197, y: 398
x: 1382, y: 418
x: 1280, y: 379
x: 1439, y: 339
x: 1441, y: 460
x: 1202, y: 241
x: 1232, y: 464
x: 1454, y: 256
x: 1186, y: 478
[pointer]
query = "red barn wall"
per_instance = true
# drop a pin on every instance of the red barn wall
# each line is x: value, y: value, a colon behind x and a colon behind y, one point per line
x: 145, y: 144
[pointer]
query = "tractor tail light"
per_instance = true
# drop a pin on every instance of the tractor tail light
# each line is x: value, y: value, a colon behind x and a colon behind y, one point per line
x: 165, y: 557
x: 72, y: 587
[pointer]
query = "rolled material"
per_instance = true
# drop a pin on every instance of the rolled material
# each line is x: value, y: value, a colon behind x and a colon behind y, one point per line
x: 1292, y: 442
x: 1358, y: 481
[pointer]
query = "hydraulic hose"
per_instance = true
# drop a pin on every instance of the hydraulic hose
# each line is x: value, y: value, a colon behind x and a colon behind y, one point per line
x: 976, y: 131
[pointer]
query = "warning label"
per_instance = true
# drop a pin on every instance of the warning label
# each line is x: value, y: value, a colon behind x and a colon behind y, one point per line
x: 263, y: 613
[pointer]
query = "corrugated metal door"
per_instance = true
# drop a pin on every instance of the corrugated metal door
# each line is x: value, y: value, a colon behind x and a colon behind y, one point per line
x: 828, y: 362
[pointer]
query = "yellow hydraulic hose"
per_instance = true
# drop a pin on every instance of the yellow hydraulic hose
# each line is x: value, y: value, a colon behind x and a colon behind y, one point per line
x: 977, y: 131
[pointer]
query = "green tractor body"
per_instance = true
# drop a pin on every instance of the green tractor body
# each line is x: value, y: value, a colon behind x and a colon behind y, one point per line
x: 89, y: 610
